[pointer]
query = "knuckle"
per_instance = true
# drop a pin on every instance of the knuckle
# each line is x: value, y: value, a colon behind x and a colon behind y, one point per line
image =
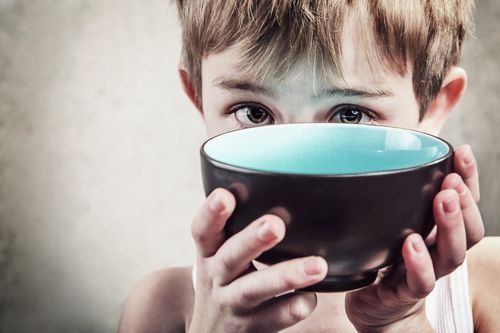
x: 451, y: 263
x: 421, y: 293
x: 287, y: 281
x: 298, y: 309
x: 476, y: 237
x: 225, y: 264
x: 424, y: 290
x: 253, y: 246
x: 246, y: 296
x: 444, y: 271
x: 224, y: 300
x: 197, y: 234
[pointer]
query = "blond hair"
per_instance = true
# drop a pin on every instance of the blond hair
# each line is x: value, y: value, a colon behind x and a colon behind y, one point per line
x: 276, y: 34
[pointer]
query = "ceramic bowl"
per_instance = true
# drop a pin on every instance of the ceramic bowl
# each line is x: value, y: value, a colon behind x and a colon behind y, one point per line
x: 348, y: 193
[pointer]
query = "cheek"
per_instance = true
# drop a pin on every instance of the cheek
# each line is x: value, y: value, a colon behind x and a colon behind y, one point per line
x: 404, y: 113
x: 215, y: 127
x: 211, y: 118
x: 406, y: 119
x: 411, y: 117
x: 216, y: 122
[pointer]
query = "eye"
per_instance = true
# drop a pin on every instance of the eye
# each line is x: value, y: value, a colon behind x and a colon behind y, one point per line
x: 351, y: 114
x: 252, y: 115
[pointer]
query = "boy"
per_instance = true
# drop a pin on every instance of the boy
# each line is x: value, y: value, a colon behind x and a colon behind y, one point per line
x: 252, y: 63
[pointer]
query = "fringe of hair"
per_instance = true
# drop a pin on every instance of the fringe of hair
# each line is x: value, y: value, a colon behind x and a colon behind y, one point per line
x: 276, y: 34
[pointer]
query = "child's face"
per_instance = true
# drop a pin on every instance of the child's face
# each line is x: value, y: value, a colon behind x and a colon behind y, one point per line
x: 231, y: 103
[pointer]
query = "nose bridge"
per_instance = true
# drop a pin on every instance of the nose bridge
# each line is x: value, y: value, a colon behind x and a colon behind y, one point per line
x: 302, y: 117
x: 294, y: 106
x: 295, y: 101
x: 292, y: 112
x: 297, y: 110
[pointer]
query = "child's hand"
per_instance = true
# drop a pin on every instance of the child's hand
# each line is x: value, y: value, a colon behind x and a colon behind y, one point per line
x: 396, y: 302
x: 231, y: 296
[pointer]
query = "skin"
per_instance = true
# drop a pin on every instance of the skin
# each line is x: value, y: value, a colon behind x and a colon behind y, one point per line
x: 232, y: 297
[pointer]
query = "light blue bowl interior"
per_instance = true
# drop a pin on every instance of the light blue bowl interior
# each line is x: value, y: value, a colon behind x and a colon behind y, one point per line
x: 322, y: 148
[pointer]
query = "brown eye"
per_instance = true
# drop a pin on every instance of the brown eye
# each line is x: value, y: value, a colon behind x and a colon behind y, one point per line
x: 351, y: 114
x: 252, y: 115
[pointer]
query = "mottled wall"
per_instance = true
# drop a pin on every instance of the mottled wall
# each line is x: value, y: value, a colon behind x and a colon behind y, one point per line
x: 99, y: 165
x: 99, y: 170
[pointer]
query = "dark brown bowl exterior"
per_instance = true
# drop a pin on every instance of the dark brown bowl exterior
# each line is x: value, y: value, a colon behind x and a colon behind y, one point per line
x: 357, y: 223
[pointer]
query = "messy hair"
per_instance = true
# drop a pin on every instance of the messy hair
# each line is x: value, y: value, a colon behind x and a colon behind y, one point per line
x: 421, y: 36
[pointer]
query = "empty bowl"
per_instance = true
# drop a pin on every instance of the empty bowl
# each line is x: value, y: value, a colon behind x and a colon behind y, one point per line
x: 348, y: 193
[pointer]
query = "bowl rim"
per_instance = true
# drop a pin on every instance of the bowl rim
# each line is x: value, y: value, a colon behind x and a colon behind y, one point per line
x: 232, y: 167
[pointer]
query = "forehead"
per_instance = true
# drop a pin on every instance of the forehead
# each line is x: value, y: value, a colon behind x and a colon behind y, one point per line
x: 356, y: 73
x: 357, y: 64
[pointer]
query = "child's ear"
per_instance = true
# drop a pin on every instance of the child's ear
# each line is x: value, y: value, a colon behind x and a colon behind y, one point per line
x: 451, y: 91
x: 188, y: 87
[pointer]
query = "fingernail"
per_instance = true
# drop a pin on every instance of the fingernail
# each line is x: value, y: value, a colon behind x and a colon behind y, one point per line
x: 468, y: 160
x: 450, y: 205
x: 312, y: 266
x: 468, y: 156
x: 216, y: 204
x: 417, y: 245
x: 265, y: 233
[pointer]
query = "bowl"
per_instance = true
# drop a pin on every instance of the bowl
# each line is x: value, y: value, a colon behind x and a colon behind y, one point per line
x: 349, y: 193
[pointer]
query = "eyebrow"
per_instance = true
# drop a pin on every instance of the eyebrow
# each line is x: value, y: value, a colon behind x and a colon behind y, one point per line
x: 230, y: 84
x: 352, y: 92
x: 246, y: 86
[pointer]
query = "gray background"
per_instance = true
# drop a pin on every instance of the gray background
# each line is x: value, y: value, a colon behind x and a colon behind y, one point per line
x: 99, y: 173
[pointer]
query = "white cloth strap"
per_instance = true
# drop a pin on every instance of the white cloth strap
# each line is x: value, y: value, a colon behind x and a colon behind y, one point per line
x: 448, y: 306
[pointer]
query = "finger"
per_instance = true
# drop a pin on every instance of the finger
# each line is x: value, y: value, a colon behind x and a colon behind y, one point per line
x: 466, y: 167
x: 450, y: 248
x: 430, y: 240
x: 235, y: 255
x: 207, y: 228
x: 474, y: 227
x: 284, y: 311
x: 252, y: 289
x: 420, y: 277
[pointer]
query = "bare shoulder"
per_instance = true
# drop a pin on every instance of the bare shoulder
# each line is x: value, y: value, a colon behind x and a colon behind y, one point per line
x: 160, y: 302
x: 484, y: 275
